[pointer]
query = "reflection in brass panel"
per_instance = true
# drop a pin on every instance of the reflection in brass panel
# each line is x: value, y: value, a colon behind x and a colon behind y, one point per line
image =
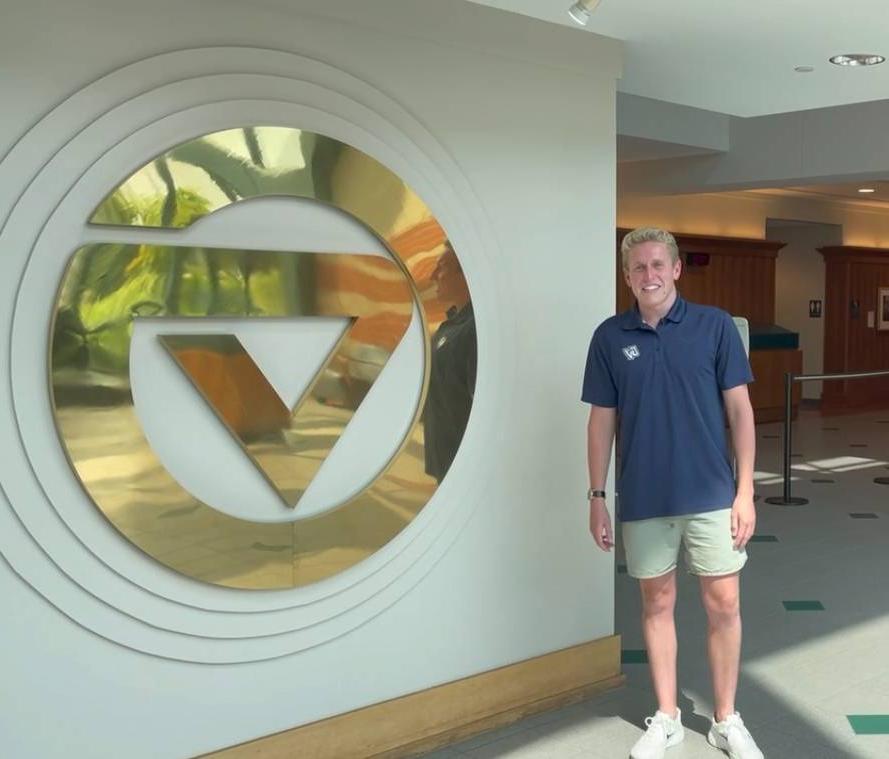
x: 108, y: 285
x: 289, y: 445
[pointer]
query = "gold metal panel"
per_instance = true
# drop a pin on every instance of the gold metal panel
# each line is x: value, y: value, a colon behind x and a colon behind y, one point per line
x: 108, y: 285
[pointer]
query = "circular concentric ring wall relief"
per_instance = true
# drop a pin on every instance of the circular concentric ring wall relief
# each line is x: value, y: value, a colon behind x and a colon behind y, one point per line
x: 97, y: 214
x: 108, y: 286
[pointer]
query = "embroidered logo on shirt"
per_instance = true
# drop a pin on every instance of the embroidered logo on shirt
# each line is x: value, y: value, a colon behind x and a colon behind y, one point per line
x: 631, y: 352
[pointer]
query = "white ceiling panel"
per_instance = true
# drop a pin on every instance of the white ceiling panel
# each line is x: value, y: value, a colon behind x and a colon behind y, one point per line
x: 737, y: 57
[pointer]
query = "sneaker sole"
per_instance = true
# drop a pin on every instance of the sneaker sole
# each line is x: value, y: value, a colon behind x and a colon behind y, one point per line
x: 673, y: 740
x: 713, y: 742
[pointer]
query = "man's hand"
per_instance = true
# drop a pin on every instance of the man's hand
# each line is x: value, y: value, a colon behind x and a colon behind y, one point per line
x: 600, y: 524
x: 743, y: 520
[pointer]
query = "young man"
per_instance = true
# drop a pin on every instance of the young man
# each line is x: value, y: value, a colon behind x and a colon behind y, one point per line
x: 452, y: 375
x: 669, y: 372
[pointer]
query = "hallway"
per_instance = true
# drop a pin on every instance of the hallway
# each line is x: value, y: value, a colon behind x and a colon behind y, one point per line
x: 816, y: 620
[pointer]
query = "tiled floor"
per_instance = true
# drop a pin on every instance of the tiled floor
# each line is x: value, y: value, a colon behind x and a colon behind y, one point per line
x: 805, y: 670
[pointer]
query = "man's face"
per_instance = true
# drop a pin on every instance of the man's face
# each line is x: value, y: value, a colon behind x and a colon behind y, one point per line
x: 651, y: 274
x: 449, y: 281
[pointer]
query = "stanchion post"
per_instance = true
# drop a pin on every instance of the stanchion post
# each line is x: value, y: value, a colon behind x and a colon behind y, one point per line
x: 787, y: 499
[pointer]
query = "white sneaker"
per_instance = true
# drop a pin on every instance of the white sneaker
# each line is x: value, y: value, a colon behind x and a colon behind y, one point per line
x: 663, y: 731
x: 731, y: 736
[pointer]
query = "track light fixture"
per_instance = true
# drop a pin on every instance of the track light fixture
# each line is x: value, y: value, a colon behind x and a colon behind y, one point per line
x: 581, y: 11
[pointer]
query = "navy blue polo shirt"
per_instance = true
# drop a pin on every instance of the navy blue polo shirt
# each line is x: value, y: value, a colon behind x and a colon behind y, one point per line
x: 666, y: 385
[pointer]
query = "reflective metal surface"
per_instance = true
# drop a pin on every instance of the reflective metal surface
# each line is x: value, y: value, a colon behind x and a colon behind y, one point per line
x: 107, y: 286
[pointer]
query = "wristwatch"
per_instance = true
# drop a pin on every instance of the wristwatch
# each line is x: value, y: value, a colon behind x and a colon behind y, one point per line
x: 594, y: 494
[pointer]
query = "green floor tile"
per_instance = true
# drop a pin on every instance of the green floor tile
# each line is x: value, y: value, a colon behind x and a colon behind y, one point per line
x: 634, y: 656
x: 803, y: 605
x: 862, y: 515
x: 764, y: 539
x: 869, y: 724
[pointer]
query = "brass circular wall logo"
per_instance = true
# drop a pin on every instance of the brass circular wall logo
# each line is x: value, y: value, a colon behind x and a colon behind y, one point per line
x: 108, y: 286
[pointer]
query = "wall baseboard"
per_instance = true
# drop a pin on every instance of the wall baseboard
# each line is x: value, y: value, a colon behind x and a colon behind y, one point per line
x: 426, y: 720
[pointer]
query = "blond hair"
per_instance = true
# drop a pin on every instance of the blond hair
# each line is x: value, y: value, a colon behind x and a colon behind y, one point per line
x: 647, y: 234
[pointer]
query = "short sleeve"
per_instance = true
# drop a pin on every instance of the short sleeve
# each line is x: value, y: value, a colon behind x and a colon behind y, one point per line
x: 599, y: 387
x: 471, y: 359
x: 732, y: 366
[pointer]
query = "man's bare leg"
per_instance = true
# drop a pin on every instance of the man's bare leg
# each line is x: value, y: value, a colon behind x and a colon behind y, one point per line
x: 659, y: 629
x: 721, y: 597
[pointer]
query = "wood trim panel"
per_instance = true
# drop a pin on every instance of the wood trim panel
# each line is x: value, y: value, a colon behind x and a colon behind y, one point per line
x: 426, y: 720
x: 855, y: 253
x: 728, y: 246
x: 747, y: 246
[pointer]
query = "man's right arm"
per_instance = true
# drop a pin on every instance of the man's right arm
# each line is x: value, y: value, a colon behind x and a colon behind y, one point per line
x: 600, y: 437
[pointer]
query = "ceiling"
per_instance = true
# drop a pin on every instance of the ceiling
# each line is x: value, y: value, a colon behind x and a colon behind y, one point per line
x: 845, y: 192
x: 631, y: 149
x: 737, y: 57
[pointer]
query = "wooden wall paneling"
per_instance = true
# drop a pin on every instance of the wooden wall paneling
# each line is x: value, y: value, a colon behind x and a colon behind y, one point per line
x: 854, y: 274
x: 767, y: 391
x: 868, y: 349
x: 740, y: 277
x: 624, y: 298
x: 836, y: 299
x: 416, y: 723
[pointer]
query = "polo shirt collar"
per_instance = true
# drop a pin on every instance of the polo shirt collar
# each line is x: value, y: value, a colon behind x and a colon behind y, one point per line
x: 677, y: 310
x: 632, y: 319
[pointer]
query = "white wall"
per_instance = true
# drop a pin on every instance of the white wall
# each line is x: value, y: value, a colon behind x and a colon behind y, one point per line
x: 505, y: 127
x: 799, y: 278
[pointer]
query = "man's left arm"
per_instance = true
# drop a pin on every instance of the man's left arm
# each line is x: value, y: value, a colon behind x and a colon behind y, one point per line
x: 740, y: 419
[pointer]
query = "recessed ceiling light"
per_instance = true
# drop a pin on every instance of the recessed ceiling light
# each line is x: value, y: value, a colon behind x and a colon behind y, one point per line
x: 866, y: 189
x: 804, y: 69
x: 857, y: 59
x: 582, y: 10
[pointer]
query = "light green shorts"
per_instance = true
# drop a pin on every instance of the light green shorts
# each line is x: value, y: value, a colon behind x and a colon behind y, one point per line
x: 652, y: 545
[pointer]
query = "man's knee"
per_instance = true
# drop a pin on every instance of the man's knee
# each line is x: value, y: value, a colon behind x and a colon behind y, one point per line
x: 658, y: 595
x: 723, y: 605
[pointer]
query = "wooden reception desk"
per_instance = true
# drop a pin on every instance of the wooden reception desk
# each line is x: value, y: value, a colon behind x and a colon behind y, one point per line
x: 767, y: 392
